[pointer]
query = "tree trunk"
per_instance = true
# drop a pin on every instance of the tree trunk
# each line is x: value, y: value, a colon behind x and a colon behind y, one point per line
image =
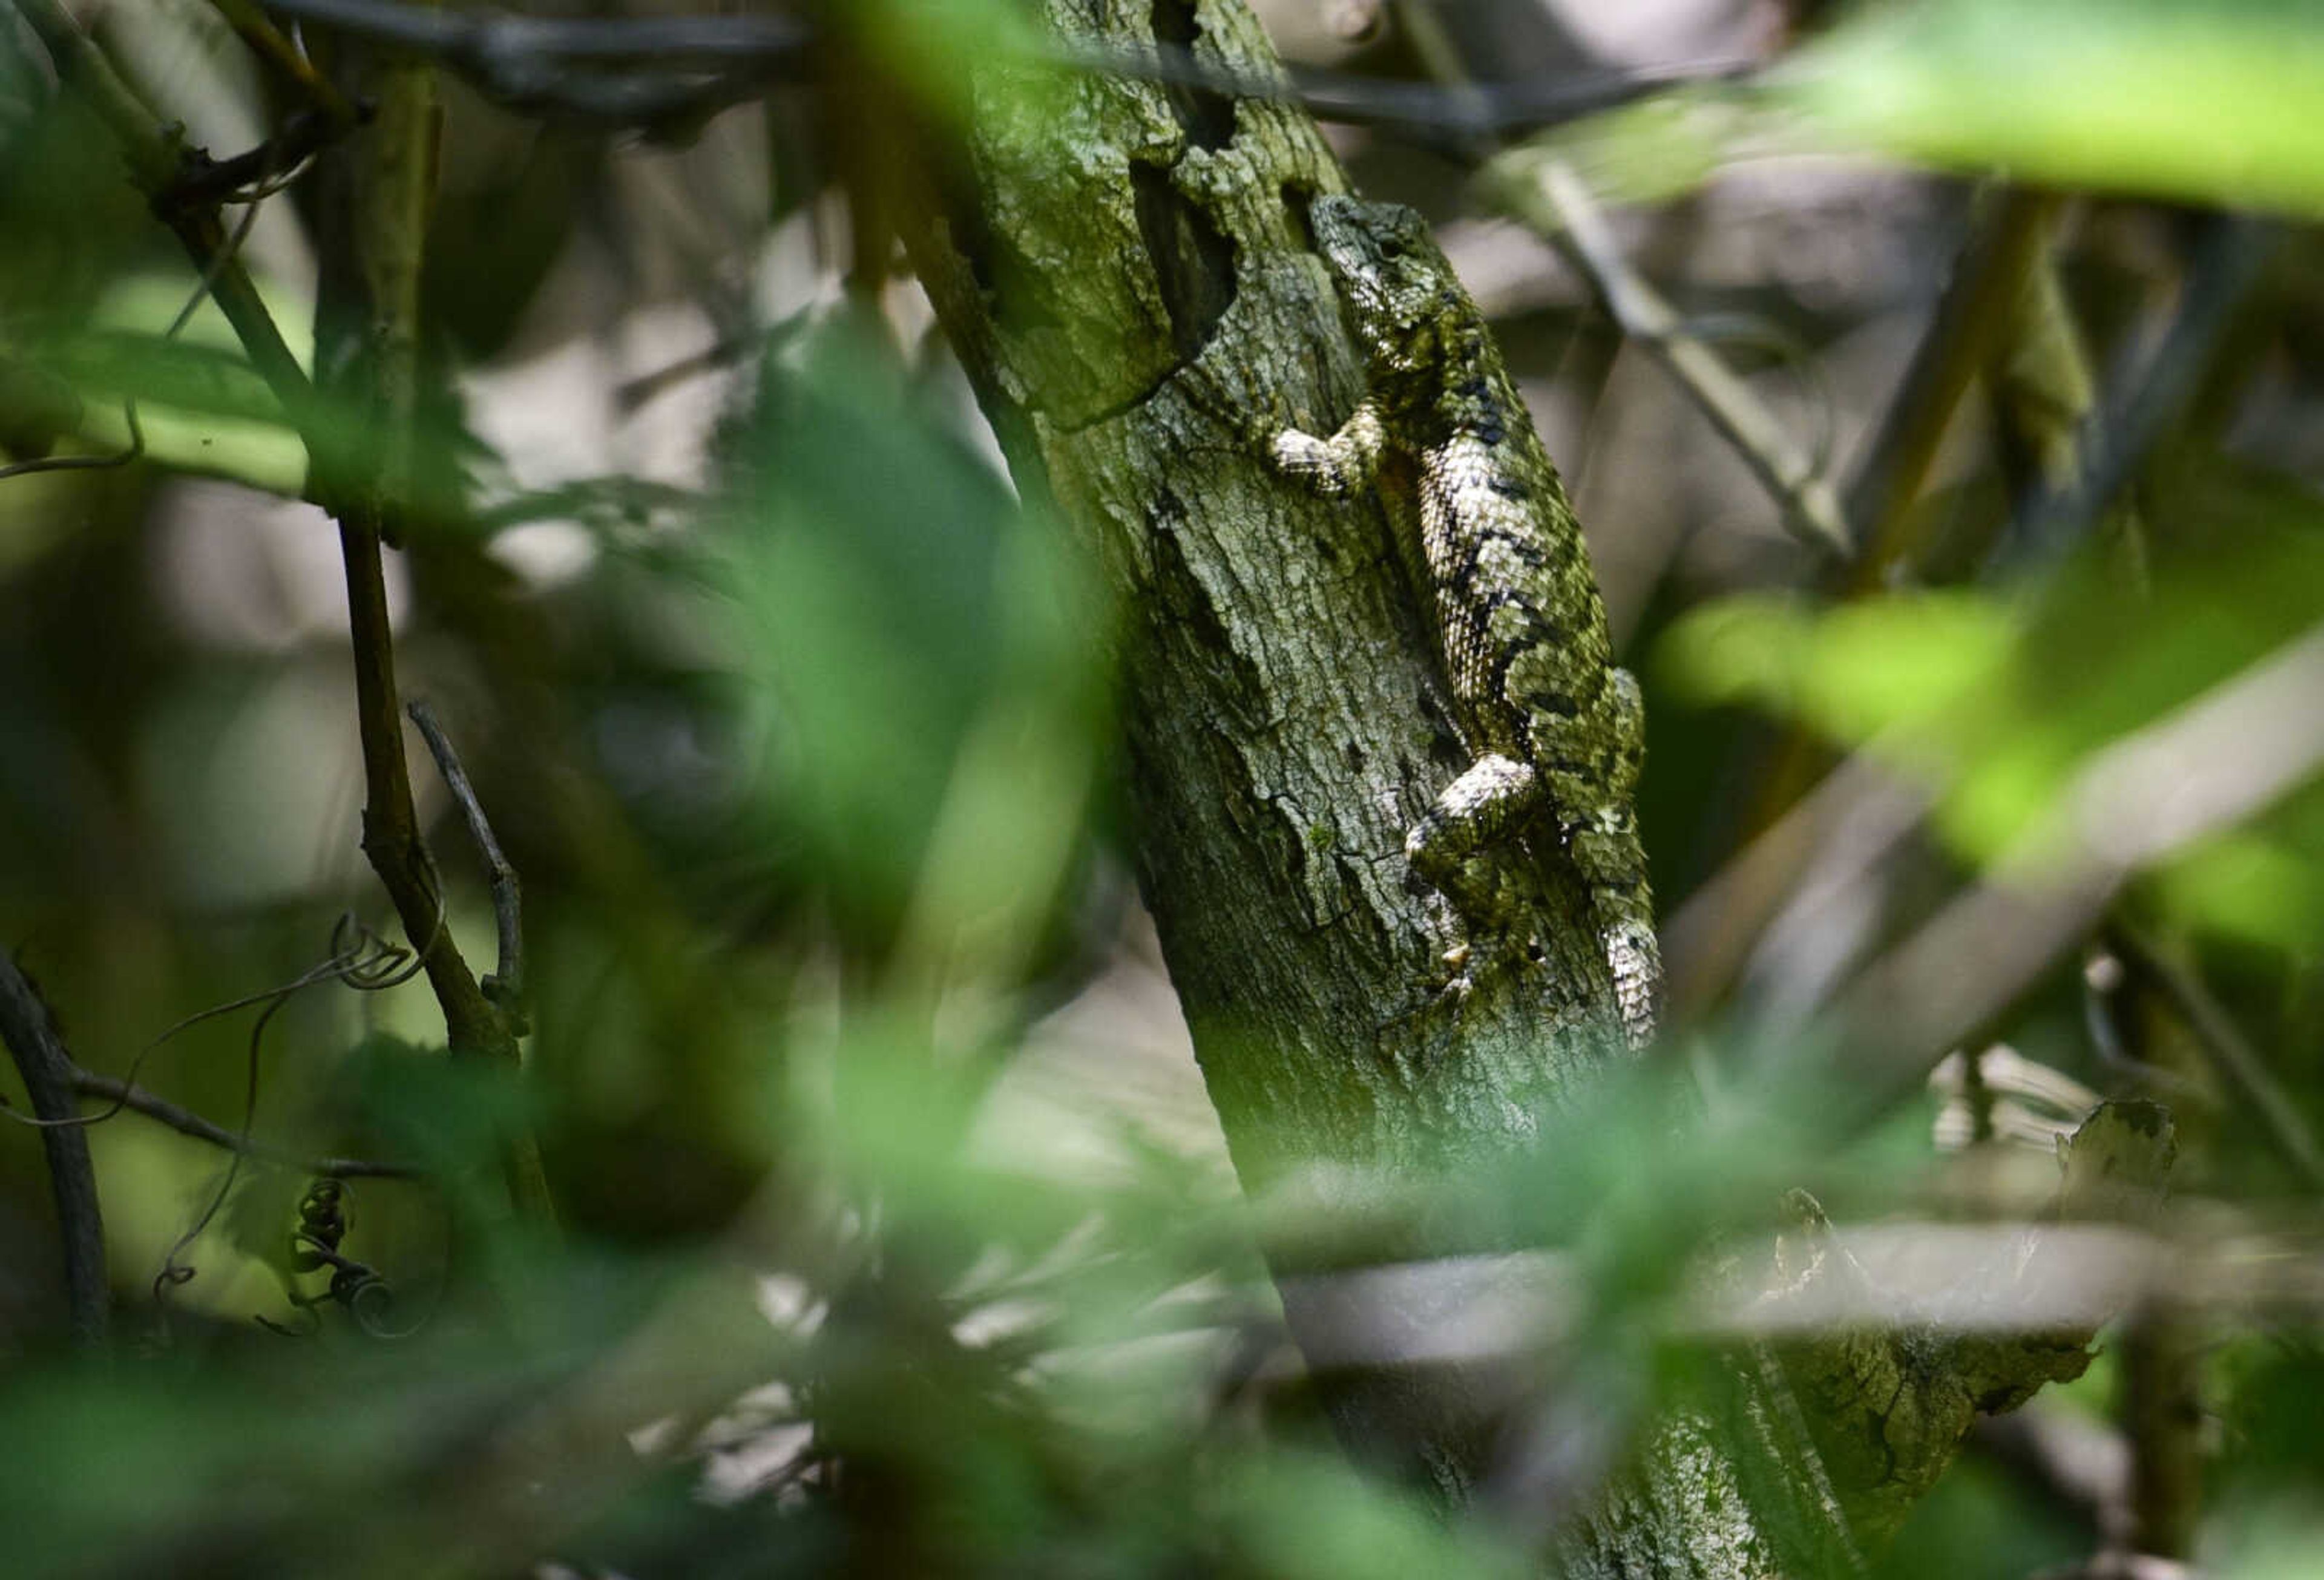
x: 1122, y: 269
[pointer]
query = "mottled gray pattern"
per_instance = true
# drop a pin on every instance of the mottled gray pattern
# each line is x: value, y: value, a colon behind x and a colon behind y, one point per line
x: 1549, y: 721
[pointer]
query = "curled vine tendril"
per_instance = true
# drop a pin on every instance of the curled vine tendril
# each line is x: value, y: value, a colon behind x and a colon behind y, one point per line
x: 360, y: 959
x: 368, y: 1297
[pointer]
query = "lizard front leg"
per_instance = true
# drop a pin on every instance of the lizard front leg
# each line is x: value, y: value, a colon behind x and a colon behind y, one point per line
x: 1338, y: 466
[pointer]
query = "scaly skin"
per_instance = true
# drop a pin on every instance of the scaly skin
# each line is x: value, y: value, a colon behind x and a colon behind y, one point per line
x: 1550, y: 724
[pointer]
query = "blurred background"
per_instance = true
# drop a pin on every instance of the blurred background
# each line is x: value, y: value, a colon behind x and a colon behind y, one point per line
x: 886, y: 1253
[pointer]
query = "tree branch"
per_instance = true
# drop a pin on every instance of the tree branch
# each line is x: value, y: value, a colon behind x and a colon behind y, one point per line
x: 30, y: 1034
x: 1546, y: 196
x: 186, y: 1122
x: 505, y: 986
x: 674, y: 71
x: 2230, y: 1052
x: 287, y: 62
x: 359, y: 491
x: 2137, y: 409
x: 2007, y: 228
x: 368, y: 327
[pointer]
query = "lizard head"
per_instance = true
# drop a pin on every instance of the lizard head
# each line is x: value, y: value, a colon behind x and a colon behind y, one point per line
x: 1388, y: 269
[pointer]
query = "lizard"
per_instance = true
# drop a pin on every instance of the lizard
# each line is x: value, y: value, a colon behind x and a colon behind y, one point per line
x: 1496, y: 557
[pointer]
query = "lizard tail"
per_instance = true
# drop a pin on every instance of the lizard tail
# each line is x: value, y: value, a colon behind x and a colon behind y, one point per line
x: 1635, y: 963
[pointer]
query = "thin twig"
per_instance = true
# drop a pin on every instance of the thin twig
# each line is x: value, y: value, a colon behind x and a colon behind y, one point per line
x: 377, y: 309
x: 358, y: 958
x: 30, y: 1034
x: 348, y: 487
x: 174, y: 1272
x: 676, y: 70
x: 134, y: 450
x: 722, y: 352
x: 1546, y: 196
x: 496, y: 44
x: 2139, y: 407
x: 186, y: 1122
x: 2007, y: 229
x: 204, y: 182
x: 287, y: 62
x: 2228, y: 1050
x: 2161, y: 1349
x: 505, y: 986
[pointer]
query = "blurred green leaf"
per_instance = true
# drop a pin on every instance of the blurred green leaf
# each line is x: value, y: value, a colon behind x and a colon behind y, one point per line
x: 2263, y: 885
x: 1997, y: 706
x: 1652, y: 151
x: 1749, y: 649
x: 1856, y: 672
x: 2212, y: 101
x: 2204, y: 101
x: 925, y: 43
x: 896, y: 607
x: 1297, y: 1518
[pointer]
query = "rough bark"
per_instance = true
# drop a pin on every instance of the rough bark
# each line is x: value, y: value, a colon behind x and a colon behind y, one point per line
x: 1122, y: 268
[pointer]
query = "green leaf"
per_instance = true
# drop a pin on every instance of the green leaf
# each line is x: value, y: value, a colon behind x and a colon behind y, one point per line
x: 1855, y: 672
x: 2247, y: 885
x: 1748, y: 648
x: 2208, y: 100
x: 2000, y: 707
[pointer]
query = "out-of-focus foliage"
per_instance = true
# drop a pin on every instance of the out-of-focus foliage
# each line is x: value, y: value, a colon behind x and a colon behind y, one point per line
x: 2000, y: 703
x: 2208, y: 100
x: 896, y: 1236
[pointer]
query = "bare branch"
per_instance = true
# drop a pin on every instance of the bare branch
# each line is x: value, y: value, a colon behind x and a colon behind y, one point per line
x: 125, y: 1094
x: 2009, y: 227
x: 1544, y: 194
x: 375, y: 309
x: 30, y: 1034
x: 677, y: 69
x: 2228, y: 1050
x: 2138, y: 409
x: 287, y: 61
x: 505, y: 986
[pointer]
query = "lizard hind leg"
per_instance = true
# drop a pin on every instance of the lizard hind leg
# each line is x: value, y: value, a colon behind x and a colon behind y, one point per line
x: 1460, y: 847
